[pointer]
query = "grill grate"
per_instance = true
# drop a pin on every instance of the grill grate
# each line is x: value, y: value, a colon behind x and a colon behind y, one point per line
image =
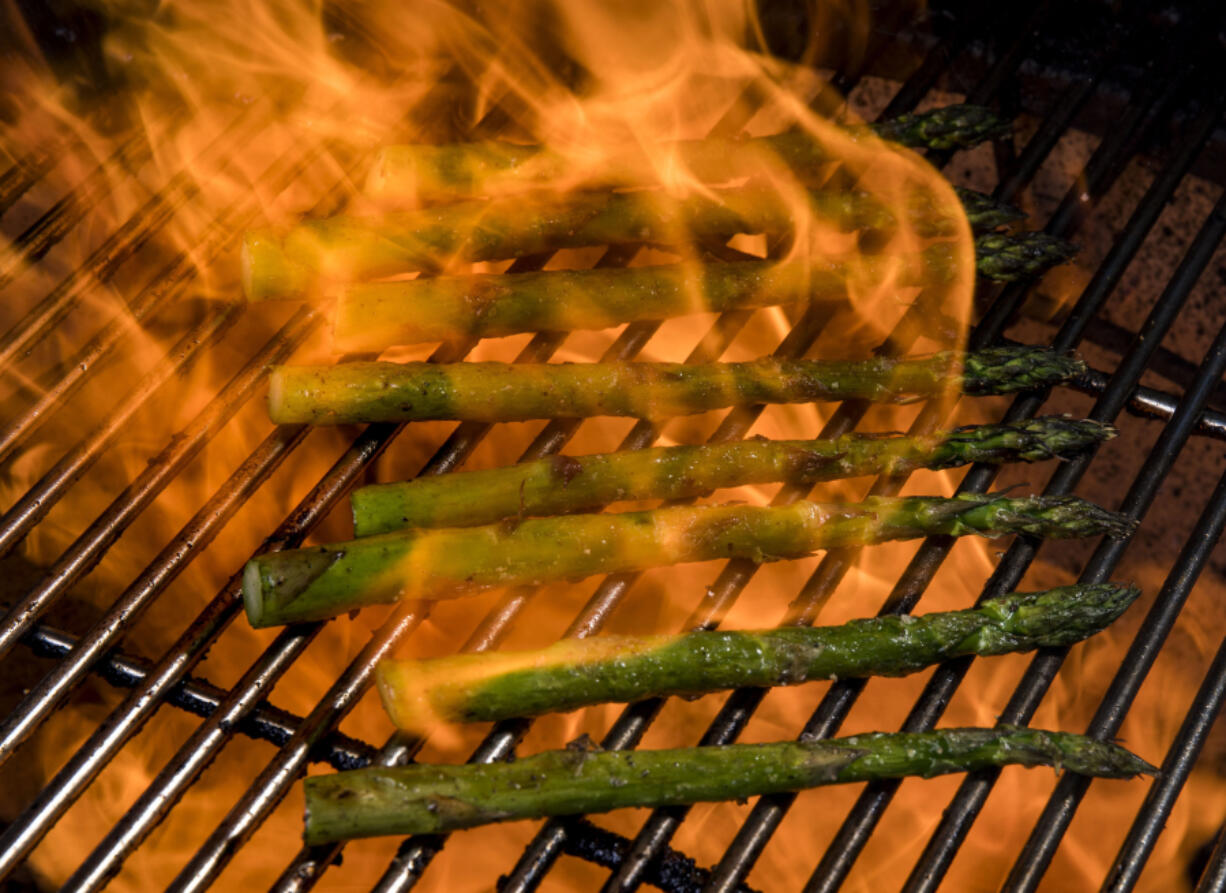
x: 245, y: 708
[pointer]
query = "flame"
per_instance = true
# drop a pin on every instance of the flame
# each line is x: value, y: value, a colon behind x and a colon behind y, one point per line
x: 254, y: 114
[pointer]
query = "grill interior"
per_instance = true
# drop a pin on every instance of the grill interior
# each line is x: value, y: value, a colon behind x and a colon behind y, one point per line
x: 122, y: 575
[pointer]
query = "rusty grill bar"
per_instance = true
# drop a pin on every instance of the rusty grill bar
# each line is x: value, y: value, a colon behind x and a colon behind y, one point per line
x: 245, y: 707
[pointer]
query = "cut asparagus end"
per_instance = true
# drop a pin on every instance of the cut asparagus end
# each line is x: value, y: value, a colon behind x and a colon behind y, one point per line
x: 377, y: 179
x: 267, y: 274
x: 274, y: 583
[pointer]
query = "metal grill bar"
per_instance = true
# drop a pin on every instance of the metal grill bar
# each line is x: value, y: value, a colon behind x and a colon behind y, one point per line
x: 1213, y: 879
x: 1178, y: 764
x: 106, y: 259
x: 89, y: 547
x: 1135, y: 666
x: 168, y: 283
x: 968, y: 801
x: 25, y: 172
x: 804, y: 610
x: 855, y: 831
x: 51, y: 690
x: 42, y: 235
x: 187, y: 651
x: 243, y: 703
x: 1152, y: 404
x: 36, y: 502
x: 198, y: 696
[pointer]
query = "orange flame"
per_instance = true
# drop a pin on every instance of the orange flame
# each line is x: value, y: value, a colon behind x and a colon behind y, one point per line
x: 254, y: 112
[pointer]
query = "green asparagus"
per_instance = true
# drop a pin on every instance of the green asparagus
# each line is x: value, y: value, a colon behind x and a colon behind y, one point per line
x: 502, y: 392
x: 1006, y: 258
x: 577, y: 672
x: 317, y: 256
x: 376, y: 315
x: 565, y: 484
x: 436, y: 799
x: 324, y: 581
x: 951, y: 127
x: 421, y: 173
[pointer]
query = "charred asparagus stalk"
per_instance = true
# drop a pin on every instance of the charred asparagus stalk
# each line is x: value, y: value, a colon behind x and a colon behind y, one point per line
x: 323, y: 581
x: 564, y: 484
x: 435, y: 799
x: 576, y: 672
x: 501, y: 392
x: 318, y: 255
x: 416, y: 173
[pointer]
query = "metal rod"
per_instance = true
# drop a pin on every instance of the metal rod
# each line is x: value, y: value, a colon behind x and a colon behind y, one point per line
x: 41, y: 236
x: 198, y: 696
x: 1213, y: 878
x: 39, y: 499
x: 89, y: 547
x: 969, y: 799
x: 1180, y: 758
x: 834, y: 707
x: 169, y: 282
x: 117, y: 248
x: 1058, y: 812
x: 25, y: 172
x: 189, y: 542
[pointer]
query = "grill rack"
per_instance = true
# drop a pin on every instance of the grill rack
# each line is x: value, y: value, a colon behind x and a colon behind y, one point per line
x: 243, y: 707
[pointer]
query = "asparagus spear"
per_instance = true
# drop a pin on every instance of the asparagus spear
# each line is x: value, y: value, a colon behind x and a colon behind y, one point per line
x: 323, y: 581
x: 435, y: 799
x: 376, y: 315
x: 373, y: 316
x: 415, y: 173
x: 501, y: 392
x: 564, y: 484
x: 576, y: 672
x: 317, y: 255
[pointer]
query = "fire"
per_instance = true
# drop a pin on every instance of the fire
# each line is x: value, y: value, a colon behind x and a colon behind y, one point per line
x: 255, y: 114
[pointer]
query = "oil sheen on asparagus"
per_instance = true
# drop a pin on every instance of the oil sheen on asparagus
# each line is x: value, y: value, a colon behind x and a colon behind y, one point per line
x: 323, y: 581
x: 503, y: 392
x: 436, y: 799
x: 568, y: 484
x: 577, y: 672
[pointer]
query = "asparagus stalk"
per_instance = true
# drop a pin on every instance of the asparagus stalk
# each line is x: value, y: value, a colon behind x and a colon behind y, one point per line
x: 376, y: 315
x: 577, y: 672
x: 417, y: 173
x: 324, y: 581
x: 318, y: 255
x: 435, y: 799
x: 564, y: 484
x: 502, y: 392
